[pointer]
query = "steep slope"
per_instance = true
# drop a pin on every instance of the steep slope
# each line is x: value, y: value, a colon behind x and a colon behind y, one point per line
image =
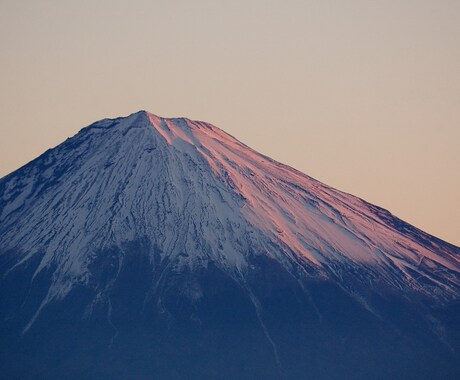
x: 170, y: 242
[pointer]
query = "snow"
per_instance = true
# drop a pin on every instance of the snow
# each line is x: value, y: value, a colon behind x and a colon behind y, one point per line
x: 199, y: 195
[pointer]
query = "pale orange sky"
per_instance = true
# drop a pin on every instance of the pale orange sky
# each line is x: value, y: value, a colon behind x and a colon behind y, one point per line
x: 362, y: 95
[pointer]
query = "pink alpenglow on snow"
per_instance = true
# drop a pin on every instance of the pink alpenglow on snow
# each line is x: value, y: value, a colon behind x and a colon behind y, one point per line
x: 304, y: 216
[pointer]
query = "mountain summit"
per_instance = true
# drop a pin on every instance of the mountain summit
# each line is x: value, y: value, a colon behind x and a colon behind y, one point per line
x: 146, y: 247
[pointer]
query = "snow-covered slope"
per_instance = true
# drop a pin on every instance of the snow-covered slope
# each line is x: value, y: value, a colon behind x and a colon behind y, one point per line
x: 199, y: 194
x: 148, y: 246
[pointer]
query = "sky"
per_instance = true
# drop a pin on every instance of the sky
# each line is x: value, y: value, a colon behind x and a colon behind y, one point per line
x: 361, y: 95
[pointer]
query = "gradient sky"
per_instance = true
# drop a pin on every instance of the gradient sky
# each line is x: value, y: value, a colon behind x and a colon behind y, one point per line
x: 362, y: 95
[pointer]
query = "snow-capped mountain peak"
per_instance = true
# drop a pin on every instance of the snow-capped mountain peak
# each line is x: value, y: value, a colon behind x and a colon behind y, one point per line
x: 199, y: 194
x: 170, y: 241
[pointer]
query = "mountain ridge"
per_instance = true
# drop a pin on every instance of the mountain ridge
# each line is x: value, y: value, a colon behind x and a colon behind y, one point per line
x: 164, y: 223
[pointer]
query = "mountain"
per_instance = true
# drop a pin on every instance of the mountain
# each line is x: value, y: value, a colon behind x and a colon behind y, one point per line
x: 153, y: 248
